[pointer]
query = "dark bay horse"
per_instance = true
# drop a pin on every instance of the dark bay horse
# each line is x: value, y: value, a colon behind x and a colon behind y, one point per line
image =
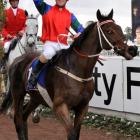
x: 69, y: 81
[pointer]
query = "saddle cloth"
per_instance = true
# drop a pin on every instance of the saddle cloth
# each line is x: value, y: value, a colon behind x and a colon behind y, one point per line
x: 43, y: 72
x: 41, y: 82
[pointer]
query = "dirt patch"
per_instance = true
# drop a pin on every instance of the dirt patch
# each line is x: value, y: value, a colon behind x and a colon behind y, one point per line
x: 52, y: 129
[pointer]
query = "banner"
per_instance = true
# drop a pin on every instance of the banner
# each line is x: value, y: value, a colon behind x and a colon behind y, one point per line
x: 117, y: 85
x: 108, y: 85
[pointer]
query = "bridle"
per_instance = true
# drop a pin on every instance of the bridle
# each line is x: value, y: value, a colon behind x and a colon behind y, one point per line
x: 101, y: 34
x: 28, y: 36
x: 31, y: 36
x: 23, y: 46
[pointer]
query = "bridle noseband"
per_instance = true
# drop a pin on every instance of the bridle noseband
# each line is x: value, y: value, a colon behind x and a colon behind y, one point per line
x: 23, y: 46
x: 31, y: 36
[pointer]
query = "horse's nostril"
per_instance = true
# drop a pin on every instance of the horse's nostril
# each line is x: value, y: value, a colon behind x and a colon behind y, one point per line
x: 133, y: 51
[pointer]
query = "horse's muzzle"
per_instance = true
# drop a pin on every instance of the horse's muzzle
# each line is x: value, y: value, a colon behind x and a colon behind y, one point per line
x: 133, y: 51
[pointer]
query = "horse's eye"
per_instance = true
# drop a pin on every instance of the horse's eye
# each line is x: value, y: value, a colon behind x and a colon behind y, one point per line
x: 109, y: 31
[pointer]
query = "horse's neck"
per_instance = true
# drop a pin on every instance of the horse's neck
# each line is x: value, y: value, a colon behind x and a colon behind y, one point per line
x: 79, y: 65
x: 84, y: 65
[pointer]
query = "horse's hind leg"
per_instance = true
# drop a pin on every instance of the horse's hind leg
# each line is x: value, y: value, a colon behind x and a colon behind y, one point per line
x: 36, y: 114
x: 20, y: 124
x: 28, y: 108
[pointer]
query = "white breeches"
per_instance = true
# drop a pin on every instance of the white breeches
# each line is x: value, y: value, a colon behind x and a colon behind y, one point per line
x: 51, y: 48
x: 6, y: 46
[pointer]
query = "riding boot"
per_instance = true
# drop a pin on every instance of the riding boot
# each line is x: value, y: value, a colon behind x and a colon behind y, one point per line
x: 32, y: 82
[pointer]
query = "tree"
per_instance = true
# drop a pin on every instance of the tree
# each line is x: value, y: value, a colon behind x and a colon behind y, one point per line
x: 2, y: 19
x: 2, y: 15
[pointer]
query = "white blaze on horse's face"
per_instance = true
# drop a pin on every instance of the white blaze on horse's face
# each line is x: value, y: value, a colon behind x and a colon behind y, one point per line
x: 31, y: 30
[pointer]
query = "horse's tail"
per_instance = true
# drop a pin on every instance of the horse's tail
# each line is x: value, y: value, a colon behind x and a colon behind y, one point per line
x: 7, y: 102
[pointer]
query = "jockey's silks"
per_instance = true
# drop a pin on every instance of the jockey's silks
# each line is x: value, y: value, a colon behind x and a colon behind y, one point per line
x: 55, y: 22
x: 13, y: 24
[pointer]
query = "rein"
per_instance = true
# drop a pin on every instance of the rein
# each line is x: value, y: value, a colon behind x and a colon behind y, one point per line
x: 19, y: 42
x: 22, y: 46
x: 84, y: 54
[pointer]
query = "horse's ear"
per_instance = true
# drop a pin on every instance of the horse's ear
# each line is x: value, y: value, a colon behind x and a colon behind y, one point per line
x: 110, y: 15
x: 37, y: 15
x: 98, y: 15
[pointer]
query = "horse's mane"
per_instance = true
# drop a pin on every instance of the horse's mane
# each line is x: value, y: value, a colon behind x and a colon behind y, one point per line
x: 78, y: 41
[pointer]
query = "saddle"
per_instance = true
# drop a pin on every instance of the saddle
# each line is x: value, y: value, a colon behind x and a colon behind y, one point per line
x: 51, y: 63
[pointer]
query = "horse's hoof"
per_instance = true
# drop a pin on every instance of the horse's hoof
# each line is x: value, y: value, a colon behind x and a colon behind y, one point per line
x: 36, y: 119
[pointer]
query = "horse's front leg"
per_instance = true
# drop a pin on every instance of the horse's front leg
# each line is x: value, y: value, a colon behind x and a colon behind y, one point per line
x: 63, y: 113
x: 79, y: 116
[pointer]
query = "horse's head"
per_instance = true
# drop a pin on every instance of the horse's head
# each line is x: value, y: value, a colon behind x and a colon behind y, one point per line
x: 31, y: 30
x: 112, y: 37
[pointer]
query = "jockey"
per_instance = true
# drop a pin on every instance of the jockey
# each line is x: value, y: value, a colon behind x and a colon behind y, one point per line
x: 14, y: 24
x: 56, y: 20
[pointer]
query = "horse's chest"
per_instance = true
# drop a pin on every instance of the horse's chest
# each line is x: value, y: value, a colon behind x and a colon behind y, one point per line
x: 77, y: 95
